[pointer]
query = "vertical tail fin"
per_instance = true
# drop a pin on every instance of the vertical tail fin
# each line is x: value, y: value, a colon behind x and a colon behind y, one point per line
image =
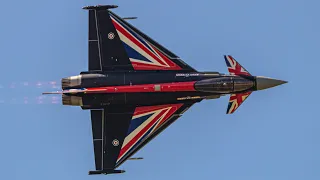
x: 234, y: 67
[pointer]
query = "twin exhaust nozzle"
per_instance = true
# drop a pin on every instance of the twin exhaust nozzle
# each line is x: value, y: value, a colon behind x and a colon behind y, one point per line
x: 72, y: 81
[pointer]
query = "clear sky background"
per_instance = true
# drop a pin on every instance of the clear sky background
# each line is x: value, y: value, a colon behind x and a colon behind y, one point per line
x: 273, y: 135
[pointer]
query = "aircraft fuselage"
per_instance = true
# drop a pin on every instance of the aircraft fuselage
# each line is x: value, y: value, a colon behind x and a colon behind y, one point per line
x: 92, y: 90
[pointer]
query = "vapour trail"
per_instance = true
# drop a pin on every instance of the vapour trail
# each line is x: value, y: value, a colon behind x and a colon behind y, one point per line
x: 28, y: 84
x: 32, y: 100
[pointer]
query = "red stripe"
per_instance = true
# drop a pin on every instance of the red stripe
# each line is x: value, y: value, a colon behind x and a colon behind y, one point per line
x: 164, y: 87
x: 135, y: 41
x: 148, y: 66
x: 174, y: 108
x: 172, y: 65
x: 143, y: 66
x: 168, y: 115
x: 238, y: 99
x: 232, y: 60
x: 137, y: 137
x: 236, y: 68
x: 168, y: 61
x: 145, y: 109
x: 238, y: 72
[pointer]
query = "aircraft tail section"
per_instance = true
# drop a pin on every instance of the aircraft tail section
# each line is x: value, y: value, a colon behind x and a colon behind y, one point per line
x: 236, y: 100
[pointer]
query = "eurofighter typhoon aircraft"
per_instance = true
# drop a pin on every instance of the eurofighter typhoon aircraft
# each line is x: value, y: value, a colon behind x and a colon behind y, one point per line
x: 135, y: 88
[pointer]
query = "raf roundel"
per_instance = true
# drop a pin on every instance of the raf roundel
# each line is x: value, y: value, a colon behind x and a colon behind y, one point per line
x: 115, y: 142
x: 111, y: 35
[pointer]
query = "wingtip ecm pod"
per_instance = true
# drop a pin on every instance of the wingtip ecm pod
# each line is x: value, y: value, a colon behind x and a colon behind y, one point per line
x: 104, y: 7
x: 105, y: 172
x: 100, y: 7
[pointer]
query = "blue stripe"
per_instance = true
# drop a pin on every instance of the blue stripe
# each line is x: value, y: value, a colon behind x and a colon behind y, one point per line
x: 227, y: 62
x: 229, y: 106
x: 134, y: 54
x: 137, y: 122
x: 138, y: 143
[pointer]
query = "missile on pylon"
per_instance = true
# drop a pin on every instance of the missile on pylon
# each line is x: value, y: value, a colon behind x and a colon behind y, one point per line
x: 137, y: 158
x: 129, y: 18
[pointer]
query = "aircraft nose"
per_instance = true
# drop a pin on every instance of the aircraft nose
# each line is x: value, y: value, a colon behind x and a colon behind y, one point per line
x: 265, y: 82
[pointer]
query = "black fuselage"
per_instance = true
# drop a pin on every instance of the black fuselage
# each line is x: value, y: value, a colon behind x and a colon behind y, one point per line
x: 205, y: 86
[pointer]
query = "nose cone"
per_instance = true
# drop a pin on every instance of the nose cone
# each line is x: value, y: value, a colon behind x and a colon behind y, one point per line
x: 265, y: 82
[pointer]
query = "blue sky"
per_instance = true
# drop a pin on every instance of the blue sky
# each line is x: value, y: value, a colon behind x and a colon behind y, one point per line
x: 273, y: 135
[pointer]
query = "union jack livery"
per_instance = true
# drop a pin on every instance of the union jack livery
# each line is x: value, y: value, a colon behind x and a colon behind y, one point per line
x: 236, y: 100
x: 142, y: 54
x: 135, y: 88
x: 145, y: 122
x: 234, y: 67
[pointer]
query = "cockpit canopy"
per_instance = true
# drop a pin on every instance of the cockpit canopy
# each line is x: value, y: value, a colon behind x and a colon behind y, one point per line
x: 224, y: 84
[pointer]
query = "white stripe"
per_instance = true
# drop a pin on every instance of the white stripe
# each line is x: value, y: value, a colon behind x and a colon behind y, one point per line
x: 160, y: 119
x: 143, y: 39
x: 143, y: 114
x: 102, y: 124
x: 125, y: 39
x: 138, y: 49
x: 159, y: 56
x: 98, y: 39
x: 137, y: 130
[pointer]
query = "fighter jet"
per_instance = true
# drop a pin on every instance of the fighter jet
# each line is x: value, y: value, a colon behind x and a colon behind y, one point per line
x: 135, y: 88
